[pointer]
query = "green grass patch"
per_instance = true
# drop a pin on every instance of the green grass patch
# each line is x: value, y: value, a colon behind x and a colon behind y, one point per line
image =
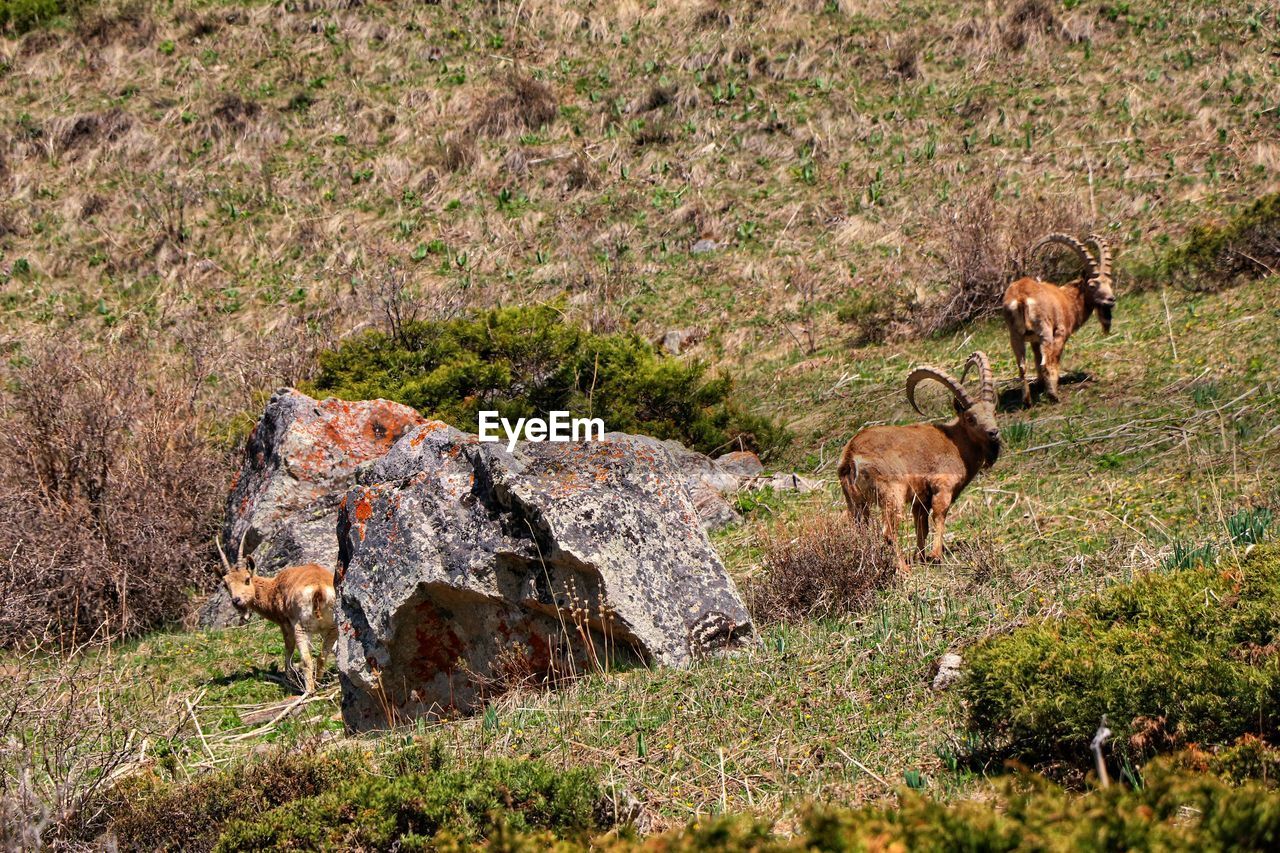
x: 20, y: 16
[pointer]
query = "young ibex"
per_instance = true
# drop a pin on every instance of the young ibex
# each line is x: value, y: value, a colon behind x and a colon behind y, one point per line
x: 927, y: 465
x: 1047, y: 314
x: 299, y: 599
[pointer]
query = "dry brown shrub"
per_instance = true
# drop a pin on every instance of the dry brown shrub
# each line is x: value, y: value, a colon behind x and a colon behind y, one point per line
x: 986, y: 244
x: 522, y: 104
x: 110, y: 492
x: 1026, y: 21
x: 821, y: 566
x: 62, y: 743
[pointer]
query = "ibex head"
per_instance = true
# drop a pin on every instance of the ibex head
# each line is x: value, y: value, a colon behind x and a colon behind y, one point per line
x: 1097, y: 272
x: 238, y: 578
x: 977, y: 416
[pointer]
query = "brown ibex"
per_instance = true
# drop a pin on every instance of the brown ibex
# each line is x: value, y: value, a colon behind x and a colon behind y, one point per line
x: 1047, y: 314
x: 927, y: 465
x: 299, y: 599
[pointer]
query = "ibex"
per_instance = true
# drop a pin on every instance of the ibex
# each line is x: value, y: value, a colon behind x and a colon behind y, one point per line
x: 299, y: 599
x: 1047, y: 314
x: 927, y: 465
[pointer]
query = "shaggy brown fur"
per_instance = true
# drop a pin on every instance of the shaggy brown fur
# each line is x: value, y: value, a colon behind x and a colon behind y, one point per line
x: 299, y: 600
x: 926, y: 465
x: 1047, y: 314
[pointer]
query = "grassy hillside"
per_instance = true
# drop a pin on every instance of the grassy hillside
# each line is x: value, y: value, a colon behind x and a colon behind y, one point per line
x: 1153, y: 454
x: 228, y: 164
x: 214, y: 192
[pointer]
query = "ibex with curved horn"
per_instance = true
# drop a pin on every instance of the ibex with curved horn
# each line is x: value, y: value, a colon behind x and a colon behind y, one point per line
x: 926, y: 465
x: 1047, y: 314
x: 299, y: 600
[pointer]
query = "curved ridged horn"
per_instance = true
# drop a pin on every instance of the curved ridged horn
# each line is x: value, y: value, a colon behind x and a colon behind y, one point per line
x: 987, y: 392
x: 240, y: 555
x: 1090, y: 265
x: 1104, y: 254
x: 920, y: 374
x: 217, y: 540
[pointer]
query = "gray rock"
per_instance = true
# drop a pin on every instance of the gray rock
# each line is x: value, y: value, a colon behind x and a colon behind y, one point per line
x: 300, y: 460
x: 949, y: 671
x: 704, y: 246
x: 781, y: 482
x: 706, y: 480
x: 463, y: 565
x: 676, y: 341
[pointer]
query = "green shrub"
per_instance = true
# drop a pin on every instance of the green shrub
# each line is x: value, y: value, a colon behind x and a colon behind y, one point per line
x: 19, y: 16
x: 1171, y: 659
x: 1219, y: 254
x: 1174, y: 810
x: 527, y: 361
x: 417, y: 811
x: 147, y: 812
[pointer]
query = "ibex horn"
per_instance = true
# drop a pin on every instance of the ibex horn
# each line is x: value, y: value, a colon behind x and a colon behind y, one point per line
x: 987, y: 393
x: 217, y: 540
x: 922, y: 373
x: 1104, y: 254
x: 1090, y: 265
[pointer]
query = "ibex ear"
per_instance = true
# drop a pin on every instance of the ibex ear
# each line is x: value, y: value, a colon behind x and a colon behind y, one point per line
x: 958, y: 406
x: 251, y: 566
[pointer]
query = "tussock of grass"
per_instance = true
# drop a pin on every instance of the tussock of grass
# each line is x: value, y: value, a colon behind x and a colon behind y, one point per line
x: 818, y: 567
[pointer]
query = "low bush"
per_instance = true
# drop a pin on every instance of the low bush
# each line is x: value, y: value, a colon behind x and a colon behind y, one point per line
x: 1221, y: 254
x: 821, y: 566
x: 527, y: 361
x: 1171, y: 658
x: 1172, y: 810
x: 146, y: 812
x: 448, y: 808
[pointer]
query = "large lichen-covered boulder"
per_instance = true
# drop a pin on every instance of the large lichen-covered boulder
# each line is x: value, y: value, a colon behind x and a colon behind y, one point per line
x: 465, y: 567
x: 300, y: 459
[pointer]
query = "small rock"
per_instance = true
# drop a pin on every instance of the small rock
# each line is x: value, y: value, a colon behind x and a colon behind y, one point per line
x: 948, y: 671
x: 742, y: 463
x: 704, y: 246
